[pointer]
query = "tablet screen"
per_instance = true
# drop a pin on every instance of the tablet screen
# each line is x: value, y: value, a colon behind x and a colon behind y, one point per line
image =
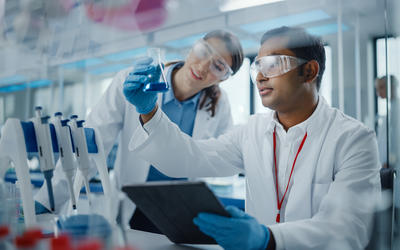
x: 172, y: 205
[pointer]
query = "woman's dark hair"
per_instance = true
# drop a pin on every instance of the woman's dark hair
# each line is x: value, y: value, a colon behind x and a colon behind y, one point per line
x: 212, y: 93
x: 303, y: 45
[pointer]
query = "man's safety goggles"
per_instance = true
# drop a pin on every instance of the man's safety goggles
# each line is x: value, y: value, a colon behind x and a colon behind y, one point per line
x: 273, y: 66
x: 218, y: 66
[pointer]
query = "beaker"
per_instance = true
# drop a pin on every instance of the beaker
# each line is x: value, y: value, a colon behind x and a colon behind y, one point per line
x: 159, y: 83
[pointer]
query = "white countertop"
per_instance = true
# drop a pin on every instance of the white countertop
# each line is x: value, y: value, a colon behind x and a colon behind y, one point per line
x: 150, y: 241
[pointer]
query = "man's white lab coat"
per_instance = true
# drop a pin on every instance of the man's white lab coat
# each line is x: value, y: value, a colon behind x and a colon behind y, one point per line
x: 113, y: 116
x: 334, y: 186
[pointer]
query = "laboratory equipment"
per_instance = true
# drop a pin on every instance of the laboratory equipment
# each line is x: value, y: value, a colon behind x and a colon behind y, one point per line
x: 4, y: 234
x: 11, y: 210
x: 66, y: 149
x: 46, y: 156
x: 18, y: 138
x: 24, y: 242
x: 62, y: 242
x: 89, y: 146
x: 32, y: 238
x: 81, y: 151
x: 82, y: 226
x: 90, y: 244
x: 9, y: 207
x: 155, y: 82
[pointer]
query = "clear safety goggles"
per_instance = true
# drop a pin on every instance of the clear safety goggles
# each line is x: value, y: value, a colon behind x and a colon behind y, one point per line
x: 273, y: 66
x: 218, y: 66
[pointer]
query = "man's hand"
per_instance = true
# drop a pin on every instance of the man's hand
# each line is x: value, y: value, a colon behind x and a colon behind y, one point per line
x: 241, y: 231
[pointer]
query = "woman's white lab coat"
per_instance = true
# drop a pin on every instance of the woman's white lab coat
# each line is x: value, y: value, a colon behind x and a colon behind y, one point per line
x: 113, y: 116
x: 334, y: 186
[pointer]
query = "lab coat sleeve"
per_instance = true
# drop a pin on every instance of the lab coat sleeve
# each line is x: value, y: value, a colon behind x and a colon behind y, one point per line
x: 344, y: 218
x: 176, y: 154
x: 107, y: 117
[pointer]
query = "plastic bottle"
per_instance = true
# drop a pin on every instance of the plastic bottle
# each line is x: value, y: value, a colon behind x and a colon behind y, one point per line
x: 11, y: 208
x: 24, y: 242
x: 62, y: 242
x: 4, y: 235
x: 31, y: 239
x: 37, y: 235
x: 90, y: 244
x: 124, y: 248
x: 4, y: 205
x: 19, y: 212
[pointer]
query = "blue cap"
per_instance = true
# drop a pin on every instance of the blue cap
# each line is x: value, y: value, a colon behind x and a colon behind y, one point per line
x: 45, y: 119
x: 80, y: 123
x: 38, y: 108
x: 58, y: 114
x: 74, y: 116
x: 64, y: 122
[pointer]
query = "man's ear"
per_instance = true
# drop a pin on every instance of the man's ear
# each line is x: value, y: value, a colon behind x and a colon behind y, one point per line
x: 311, y: 70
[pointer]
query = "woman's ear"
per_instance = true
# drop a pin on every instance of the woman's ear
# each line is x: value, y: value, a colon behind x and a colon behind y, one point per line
x: 311, y: 70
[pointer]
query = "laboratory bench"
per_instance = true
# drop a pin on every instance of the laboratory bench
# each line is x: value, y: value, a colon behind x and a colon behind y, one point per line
x: 150, y: 241
x: 230, y: 190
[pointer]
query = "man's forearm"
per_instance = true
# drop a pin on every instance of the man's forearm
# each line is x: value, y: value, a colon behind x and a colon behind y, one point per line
x: 147, y: 117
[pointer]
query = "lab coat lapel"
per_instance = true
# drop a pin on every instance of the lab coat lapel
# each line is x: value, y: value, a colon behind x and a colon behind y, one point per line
x: 260, y: 173
x: 268, y: 159
x: 299, y: 195
x: 305, y: 173
x: 201, y: 128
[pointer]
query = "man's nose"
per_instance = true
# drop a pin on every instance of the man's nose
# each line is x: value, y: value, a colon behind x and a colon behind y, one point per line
x: 260, y: 77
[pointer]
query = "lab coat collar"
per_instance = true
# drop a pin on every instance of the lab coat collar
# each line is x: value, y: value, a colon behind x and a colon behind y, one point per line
x: 169, y: 95
x: 310, y: 125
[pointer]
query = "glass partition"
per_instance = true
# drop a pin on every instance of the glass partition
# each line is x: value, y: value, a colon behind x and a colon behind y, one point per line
x: 391, y: 72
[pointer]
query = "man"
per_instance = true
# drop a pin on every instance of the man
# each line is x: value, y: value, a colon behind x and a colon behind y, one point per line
x: 311, y: 172
x: 381, y: 91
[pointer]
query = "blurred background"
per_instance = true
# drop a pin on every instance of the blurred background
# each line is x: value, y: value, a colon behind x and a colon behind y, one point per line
x: 63, y: 54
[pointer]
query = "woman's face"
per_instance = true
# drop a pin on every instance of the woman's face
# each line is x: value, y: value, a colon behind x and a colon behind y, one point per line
x: 206, y: 63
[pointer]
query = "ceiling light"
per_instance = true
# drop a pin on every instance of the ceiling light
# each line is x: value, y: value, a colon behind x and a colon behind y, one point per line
x: 229, y: 5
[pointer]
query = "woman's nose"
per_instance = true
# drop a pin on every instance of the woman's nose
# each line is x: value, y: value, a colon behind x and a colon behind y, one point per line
x: 204, y: 65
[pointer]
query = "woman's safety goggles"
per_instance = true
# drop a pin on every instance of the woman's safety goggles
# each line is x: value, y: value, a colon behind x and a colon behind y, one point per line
x: 218, y: 66
x: 273, y: 66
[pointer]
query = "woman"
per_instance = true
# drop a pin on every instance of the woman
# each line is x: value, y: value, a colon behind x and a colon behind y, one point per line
x: 194, y: 102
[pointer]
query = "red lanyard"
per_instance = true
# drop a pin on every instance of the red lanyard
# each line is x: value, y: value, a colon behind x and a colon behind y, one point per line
x: 279, y: 202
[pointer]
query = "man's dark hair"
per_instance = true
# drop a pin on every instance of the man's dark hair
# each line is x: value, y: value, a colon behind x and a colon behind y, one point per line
x: 303, y: 45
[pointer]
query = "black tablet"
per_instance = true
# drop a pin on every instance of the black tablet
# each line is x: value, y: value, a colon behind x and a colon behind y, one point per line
x: 172, y: 205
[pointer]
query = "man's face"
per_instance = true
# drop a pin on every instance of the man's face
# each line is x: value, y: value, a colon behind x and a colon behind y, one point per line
x: 380, y: 86
x: 282, y: 93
